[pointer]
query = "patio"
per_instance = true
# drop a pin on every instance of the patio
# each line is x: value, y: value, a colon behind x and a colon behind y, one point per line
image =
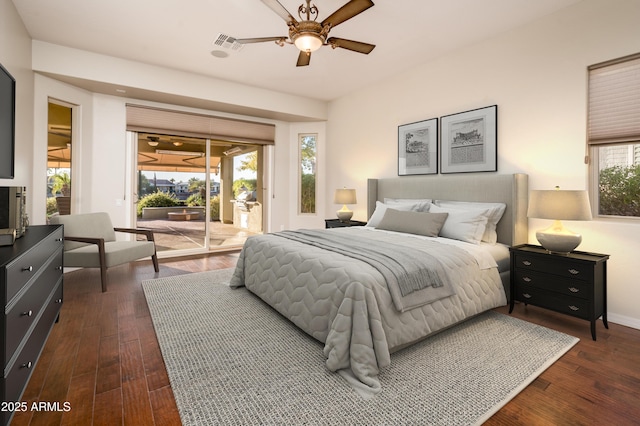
x: 189, y: 234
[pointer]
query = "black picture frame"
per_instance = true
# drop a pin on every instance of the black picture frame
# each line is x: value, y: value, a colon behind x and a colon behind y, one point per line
x: 418, y: 148
x: 469, y: 141
x: 7, y: 124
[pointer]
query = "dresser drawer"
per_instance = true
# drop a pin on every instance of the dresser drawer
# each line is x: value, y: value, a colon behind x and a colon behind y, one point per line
x: 17, y: 375
x: 581, y: 289
x: 20, y: 271
x: 557, y: 266
x: 550, y: 300
x: 21, y: 316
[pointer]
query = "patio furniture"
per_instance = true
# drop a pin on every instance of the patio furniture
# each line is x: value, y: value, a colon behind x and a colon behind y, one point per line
x: 90, y: 242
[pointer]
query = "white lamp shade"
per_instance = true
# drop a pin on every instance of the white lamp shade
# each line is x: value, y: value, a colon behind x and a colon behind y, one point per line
x: 559, y: 205
x: 344, y: 196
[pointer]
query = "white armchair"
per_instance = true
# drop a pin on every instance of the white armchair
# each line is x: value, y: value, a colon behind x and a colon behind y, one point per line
x: 90, y: 242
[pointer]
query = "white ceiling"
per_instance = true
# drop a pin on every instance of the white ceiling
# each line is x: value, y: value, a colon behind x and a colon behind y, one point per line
x: 179, y: 34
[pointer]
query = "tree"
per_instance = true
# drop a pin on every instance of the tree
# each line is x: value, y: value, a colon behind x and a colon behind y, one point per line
x: 308, y: 155
x: 61, y: 183
x: 250, y: 162
x: 144, y: 186
x: 620, y: 191
x: 308, y: 174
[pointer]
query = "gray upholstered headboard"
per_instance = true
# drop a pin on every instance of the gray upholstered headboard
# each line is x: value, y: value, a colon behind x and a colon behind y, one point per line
x: 513, y: 190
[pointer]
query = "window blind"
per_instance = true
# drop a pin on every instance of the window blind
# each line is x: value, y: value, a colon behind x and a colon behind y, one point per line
x: 614, y: 101
x: 176, y: 123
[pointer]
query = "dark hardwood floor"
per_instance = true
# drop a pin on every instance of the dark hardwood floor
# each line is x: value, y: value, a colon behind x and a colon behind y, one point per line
x: 103, y: 359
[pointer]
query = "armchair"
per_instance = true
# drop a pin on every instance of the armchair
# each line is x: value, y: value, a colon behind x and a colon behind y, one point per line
x: 90, y: 242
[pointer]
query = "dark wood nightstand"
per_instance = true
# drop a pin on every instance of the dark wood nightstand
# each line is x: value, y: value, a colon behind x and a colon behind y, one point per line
x: 574, y: 284
x: 335, y: 223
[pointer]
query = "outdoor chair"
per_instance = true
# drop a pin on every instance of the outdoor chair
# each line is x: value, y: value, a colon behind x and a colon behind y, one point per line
x: 90, y: 242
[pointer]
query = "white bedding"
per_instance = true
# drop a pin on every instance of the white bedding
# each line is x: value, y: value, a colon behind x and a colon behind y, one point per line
x: 345, y: 303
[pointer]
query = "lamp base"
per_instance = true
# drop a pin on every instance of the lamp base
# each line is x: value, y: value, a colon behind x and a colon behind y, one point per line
x: 558, y: 239
x: 344, y: 215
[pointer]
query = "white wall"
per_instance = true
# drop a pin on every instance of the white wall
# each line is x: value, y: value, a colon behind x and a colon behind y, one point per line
x: 537, y: 75
x: 101, y: 155
x: 15, y: 56
x: 102, y: 71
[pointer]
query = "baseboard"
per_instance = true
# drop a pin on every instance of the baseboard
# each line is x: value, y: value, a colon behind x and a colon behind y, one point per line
x: 624, y: 320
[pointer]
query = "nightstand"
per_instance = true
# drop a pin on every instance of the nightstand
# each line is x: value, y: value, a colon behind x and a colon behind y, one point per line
x: 574, y: 284
x: 335, y: 223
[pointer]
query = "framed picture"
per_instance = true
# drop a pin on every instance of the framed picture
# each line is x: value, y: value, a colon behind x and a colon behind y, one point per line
x: 469, y: 141
x: 418, y: 148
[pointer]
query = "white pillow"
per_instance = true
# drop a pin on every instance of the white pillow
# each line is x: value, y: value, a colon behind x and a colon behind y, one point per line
x: 421, y: 204
x: 463, y: 225
x: 381, y: 208
x: 496, y: 210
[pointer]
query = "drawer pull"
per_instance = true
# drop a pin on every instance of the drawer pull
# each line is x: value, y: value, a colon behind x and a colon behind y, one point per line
x: 28, y: 313
x: 59, y: 268
x: 58, y: 300
x: 526, y: 263
x: 574, y: 271
x: 574, y: 290
x: 27, y: 365
x: 27, y: 269
x: 526, y: 295
x: 59, y: 240
x: 526, y: 279
x: 574, y: 308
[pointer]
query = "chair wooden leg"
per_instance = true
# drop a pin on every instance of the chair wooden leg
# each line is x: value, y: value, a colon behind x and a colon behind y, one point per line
x: 102, y: 254
x: 103, y: 277
x: 154, y: 258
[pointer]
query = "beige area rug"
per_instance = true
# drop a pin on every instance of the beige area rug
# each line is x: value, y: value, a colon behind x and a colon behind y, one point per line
x: 232, y: 360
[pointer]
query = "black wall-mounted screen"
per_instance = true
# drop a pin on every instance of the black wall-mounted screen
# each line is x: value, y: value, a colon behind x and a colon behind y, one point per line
x: 7, y: 123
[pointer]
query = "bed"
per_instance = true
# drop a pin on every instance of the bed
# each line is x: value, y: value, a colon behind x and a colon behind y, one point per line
x: 362, y: 311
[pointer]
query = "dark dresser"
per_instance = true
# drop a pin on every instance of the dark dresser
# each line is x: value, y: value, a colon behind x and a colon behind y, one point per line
x: 574, y: 284
x: 31, y: 277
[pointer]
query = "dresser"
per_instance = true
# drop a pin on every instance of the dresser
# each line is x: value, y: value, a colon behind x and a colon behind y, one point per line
x: 31, y: 277
x: 574, y: 284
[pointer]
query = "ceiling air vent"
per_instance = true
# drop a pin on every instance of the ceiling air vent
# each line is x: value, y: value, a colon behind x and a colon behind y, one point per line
x: 227, y: 42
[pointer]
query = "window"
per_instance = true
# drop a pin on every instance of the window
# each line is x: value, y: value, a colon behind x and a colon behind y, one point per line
x: 307, y: 182
x: 614, y: 137
x: 59, y: 144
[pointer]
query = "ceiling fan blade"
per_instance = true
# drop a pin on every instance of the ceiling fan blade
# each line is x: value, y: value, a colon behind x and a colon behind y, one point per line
x: 259, y: 39
x: 303, y: 59
x: 280, y: 10
x: 355, y: 46
x: 347, y: 11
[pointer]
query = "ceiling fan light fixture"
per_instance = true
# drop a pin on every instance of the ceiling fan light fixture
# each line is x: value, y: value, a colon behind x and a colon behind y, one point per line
x: 308, y: 42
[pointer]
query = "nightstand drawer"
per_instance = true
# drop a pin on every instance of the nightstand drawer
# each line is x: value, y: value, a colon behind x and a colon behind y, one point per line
x: 550, y: 300
x: 555, y: 265
x: 581, y: 289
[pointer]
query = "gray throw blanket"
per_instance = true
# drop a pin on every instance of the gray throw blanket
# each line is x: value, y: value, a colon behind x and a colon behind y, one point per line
x: 404, y: 269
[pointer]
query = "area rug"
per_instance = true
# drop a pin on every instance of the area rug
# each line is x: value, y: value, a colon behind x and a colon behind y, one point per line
x: 233, y: 360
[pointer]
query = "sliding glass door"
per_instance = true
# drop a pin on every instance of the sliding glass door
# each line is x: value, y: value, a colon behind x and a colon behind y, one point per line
x: 196, y: 194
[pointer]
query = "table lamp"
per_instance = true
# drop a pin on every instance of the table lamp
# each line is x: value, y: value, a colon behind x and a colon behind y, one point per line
x: 344, y: 196
x: 559, y: 205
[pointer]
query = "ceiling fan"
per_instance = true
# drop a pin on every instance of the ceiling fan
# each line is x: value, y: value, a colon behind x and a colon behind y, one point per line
x: 308, y: 35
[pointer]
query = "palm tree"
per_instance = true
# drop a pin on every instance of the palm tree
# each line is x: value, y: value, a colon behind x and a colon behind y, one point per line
x: 61, y: 183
